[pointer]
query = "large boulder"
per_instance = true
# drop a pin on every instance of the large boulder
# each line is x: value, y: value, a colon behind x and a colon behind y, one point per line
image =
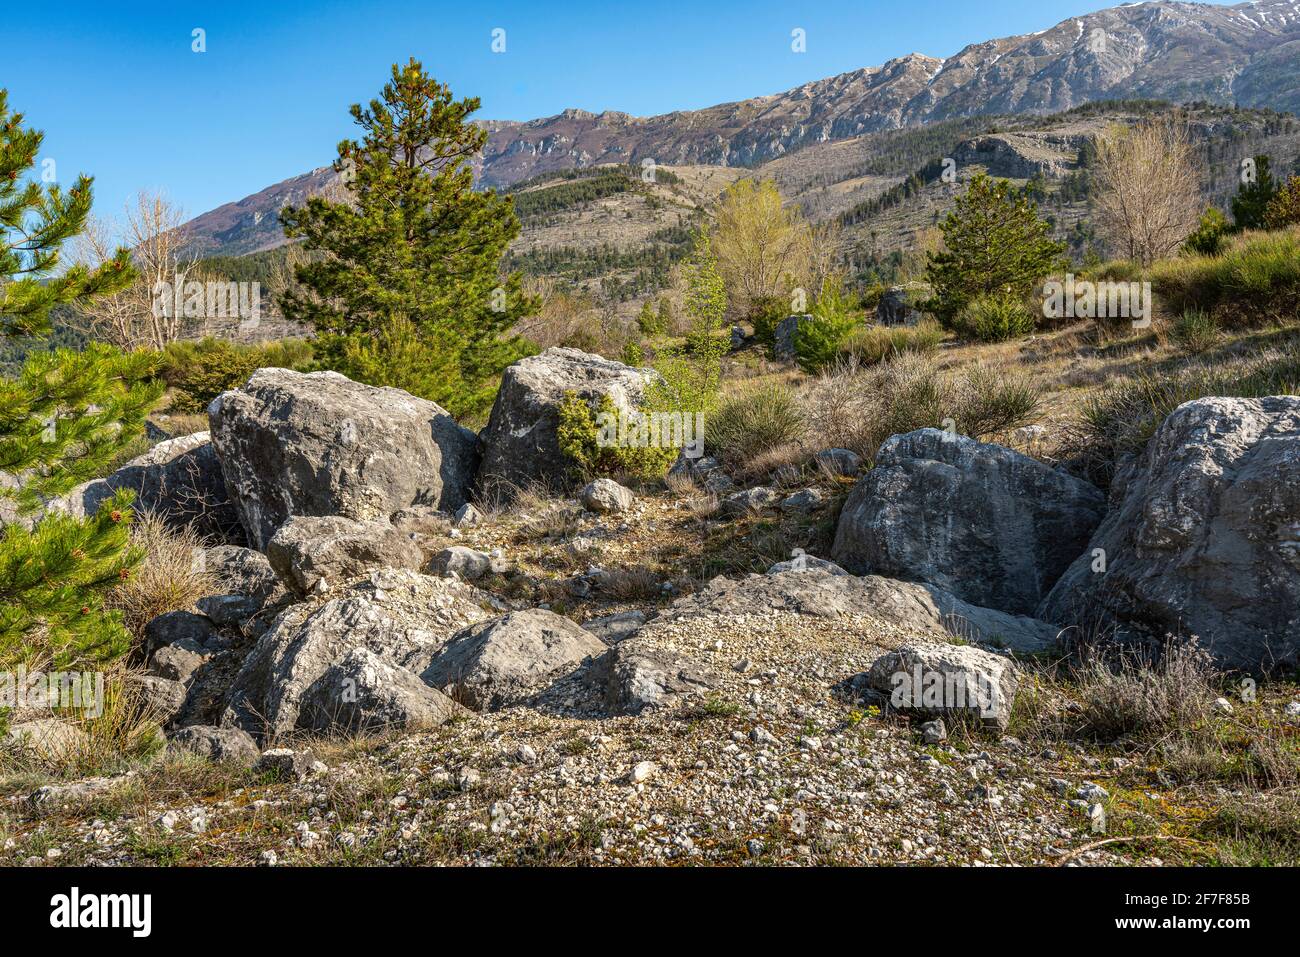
x: 783, y: 337
x: 520, y: 444
x: 215, y: 744
x: 248, y: 588
x: 985, y: 523
x: 179, y: 480
x: 320, y: 444
x: 1203, y: 537
x: 915, y: 607
x: 401, y: 616
x: 312, y: 553
x: 504, y: 661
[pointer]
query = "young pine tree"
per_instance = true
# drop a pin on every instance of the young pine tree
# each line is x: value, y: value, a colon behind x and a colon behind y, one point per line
x: 1256, y: 191
x: 692, y: 371
x: 408, y: 293
x: 63, y: 420
x: 996, y: 245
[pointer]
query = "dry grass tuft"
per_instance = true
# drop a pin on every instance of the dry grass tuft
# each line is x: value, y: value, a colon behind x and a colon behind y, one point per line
x: 172, y: 576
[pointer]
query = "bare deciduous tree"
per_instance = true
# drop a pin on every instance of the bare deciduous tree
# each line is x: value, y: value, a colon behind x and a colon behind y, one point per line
x: 161, y: 255
x: 1146, y: 189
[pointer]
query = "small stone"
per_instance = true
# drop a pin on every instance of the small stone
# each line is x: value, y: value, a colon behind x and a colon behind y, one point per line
x: 1223, y: 706
x: 268, y: 858
x: 932, y: 732
x: 524, y: 754
x: 467, y: 780
x: 642, y: 771
x: 1092, y: 793
x: 761, y: 736
x: 467, y: 515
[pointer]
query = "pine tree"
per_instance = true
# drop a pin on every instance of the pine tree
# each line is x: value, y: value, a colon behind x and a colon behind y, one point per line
x: 1284, y: 208
x: 692, y: 370
x: 996, y: 245
x: 411, y: 264
x: 64, y: 419
x: 1250, y: 205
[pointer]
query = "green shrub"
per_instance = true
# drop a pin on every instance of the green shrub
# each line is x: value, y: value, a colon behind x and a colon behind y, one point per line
x: 586, y: 438
x: 198, y: 372
x: 650, y: 321
x: 1257, y: 276
x: 873, y: 344
x: 764, y: 314
x: 690, y: 373
x: 834, y: 317
x: 632, y: 354
x: 1284, y: 208
x: 759, y: 420
x: 1195, y: 330
x: 1210, y: 234
x: 997, y: 319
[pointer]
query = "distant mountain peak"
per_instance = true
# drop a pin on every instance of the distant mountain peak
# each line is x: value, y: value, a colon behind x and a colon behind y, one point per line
x: 1160, y: 49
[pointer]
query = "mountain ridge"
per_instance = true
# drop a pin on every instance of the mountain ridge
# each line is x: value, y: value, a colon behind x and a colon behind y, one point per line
x: 1247, y: 54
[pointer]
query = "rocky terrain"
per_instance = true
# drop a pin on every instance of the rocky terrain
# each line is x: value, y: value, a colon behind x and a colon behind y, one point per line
x: 415, y: 657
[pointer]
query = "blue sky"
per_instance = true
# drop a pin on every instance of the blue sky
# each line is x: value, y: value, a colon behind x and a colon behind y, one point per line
x: 121, y: 94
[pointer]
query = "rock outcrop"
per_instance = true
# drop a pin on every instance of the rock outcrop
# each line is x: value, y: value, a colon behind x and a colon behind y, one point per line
x: 505, y: 661
x: 318, y: 553
x: 912, y: 606
x: 319, y: 444
x: 180, y: 480
x: 638, y: 677
x: 520, y: 444
x: 991, y: 526
x: 401, y: 616
x: 898, y: 305
x: 947, y: 681
x: 1203, y: 537
x: 365, y: 692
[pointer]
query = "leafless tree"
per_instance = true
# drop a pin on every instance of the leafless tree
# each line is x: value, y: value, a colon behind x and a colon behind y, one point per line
x: 1146, y: 188
x: 164, y: 260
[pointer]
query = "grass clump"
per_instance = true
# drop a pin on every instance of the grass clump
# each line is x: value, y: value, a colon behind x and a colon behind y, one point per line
x: 751, y: 423
x: 855, y: 407
x: 870, y: 345
x: 996, y: 319
x: 171, y: 576
x: 1123, y: 417
x: 1196, y: 331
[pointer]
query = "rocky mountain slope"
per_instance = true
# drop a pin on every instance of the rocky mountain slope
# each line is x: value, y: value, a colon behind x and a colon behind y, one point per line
x: 1247, y: 54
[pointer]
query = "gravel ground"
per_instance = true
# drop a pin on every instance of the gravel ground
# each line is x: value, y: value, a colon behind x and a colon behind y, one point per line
x: 776, y: 767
